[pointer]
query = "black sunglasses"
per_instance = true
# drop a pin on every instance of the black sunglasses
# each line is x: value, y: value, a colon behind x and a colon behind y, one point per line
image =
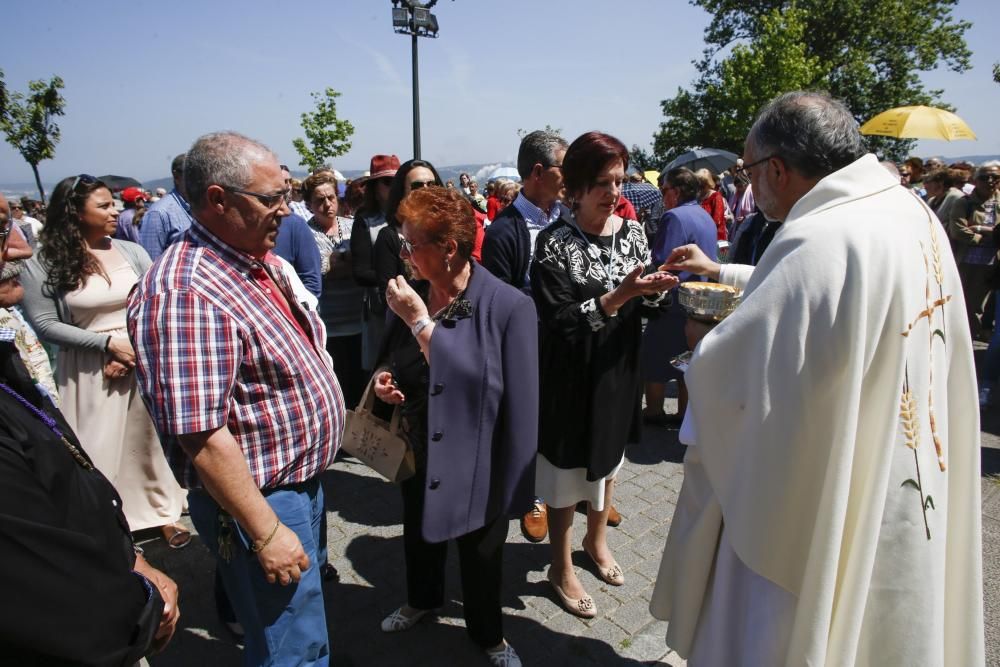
x: 745, y: 169
x: 267, y: 201
x: 86, y: 179
x: 416, y: 185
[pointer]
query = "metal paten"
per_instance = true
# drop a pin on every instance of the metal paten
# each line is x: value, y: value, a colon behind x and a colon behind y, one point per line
x: 708, y: 301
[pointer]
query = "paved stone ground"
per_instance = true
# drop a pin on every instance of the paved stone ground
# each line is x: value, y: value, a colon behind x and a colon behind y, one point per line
x: 365, y: 541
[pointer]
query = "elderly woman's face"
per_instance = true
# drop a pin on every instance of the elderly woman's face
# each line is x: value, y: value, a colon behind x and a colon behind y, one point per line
x: 425, y: 256
x: 603, y: 195
x: 323, y: 202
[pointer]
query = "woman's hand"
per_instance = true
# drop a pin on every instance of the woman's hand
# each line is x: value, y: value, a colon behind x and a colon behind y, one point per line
x: 115, y: 369
x: 168, y: 591
x: 690, y: 258
x: 635, y: 284
x: 403, y: 301
x: 386, y: 389
x: 120, y: 349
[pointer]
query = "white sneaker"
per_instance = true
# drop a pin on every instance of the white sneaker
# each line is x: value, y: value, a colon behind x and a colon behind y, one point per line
x: 504, y: 657
x: 397, y: 621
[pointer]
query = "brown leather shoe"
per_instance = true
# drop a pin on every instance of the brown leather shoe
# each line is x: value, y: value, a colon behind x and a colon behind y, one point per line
x: 535, y: 524
x: 614, y: 518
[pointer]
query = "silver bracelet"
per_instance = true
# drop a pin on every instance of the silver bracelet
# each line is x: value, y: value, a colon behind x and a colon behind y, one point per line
x: 420, y: 326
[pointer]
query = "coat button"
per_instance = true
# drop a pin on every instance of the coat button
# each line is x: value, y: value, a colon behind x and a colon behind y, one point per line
x: 437, y: 436
x: 437, y: 389
x: 435, y: 483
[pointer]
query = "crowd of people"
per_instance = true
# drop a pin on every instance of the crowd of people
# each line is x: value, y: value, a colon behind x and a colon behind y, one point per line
x: 198, y: 352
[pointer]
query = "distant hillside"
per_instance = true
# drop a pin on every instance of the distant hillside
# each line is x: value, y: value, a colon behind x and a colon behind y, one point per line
x: 480, y: 172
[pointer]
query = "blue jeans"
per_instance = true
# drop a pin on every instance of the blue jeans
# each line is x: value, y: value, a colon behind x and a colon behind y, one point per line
x: 284, y: 625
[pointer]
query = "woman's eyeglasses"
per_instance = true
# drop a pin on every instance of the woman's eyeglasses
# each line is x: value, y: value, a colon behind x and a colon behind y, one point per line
x: 416, y: 185
x: 409, y: 247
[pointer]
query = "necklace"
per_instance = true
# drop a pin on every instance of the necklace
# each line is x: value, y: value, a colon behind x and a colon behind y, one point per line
x: 53, y: 426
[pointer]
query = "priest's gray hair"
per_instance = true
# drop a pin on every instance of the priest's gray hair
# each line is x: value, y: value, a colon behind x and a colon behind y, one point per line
x: 986, y: 166
x: 538, y: 147
x: 813, y: 133
x: 221, y: 158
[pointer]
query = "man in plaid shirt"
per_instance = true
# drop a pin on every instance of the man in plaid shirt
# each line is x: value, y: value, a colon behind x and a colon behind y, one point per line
x: 235, y: 374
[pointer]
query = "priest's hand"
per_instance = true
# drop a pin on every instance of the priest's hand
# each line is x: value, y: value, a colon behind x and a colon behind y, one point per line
x: 690, y: 258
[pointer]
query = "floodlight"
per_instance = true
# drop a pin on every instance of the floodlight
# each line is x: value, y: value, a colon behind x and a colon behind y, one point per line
x: 400, y: 17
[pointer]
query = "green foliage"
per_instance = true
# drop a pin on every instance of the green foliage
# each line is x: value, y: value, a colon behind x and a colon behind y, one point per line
x: 522, y: 133
x: 865, y: 52
x: 327, y: 135
x: 28, y: 121
x: 996, y: 72
x: 642, y: 159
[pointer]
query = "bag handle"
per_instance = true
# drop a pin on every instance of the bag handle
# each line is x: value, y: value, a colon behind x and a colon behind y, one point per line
x: 367, y: 403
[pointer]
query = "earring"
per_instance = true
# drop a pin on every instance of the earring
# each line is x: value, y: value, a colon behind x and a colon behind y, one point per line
x: 447, y: 266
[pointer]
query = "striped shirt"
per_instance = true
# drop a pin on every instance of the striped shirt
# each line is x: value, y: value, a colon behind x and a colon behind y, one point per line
x: 213, y: 350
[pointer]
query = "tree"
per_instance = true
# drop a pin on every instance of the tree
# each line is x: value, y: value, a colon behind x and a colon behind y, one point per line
x: 642, y: 159
x: 996, y: 72
x: 27, y: 120
x: 865, y: 52
x: 522, y: 133
x: 328, y: 136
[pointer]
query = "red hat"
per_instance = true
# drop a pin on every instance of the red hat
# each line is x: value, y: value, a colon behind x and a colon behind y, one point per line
x: 384, y: 166
x: 130, y: 194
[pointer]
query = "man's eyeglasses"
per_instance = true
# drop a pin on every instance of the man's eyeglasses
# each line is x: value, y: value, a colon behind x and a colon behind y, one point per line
x: 745, y: 169
x: 267, y: 201
x: 988, y: 178
x: 416, y: 185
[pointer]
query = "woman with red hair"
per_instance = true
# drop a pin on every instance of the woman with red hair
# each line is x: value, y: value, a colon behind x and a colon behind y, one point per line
x: 460, y: 357
x: 592, y: 282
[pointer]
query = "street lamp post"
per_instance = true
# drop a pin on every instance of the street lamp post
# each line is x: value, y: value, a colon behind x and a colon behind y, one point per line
x: 410, y: 17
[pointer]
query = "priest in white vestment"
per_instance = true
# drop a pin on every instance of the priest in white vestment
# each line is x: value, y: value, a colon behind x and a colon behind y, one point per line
x: 830, y: 512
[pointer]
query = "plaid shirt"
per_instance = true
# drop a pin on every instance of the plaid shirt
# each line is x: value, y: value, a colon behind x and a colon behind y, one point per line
x: 213, y: 350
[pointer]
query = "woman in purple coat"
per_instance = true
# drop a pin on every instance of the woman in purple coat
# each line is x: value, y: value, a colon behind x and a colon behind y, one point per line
x: 461, y: 351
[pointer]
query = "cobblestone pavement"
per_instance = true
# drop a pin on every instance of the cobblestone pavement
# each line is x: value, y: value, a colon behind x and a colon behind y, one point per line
x: 365, y: 542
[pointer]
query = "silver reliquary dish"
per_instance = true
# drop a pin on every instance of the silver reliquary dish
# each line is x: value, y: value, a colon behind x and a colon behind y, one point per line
x: 712, y: 301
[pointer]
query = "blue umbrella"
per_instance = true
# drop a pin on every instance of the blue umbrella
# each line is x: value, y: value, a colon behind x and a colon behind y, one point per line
x: 715, y: 160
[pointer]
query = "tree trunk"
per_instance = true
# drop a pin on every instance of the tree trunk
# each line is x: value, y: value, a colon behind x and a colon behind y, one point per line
x: 38, y: 182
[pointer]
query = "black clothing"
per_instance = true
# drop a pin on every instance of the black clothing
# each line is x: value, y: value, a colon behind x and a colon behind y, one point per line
x: 480, y: 557
x: 588, y: 361
x: 388, y: 264
x: 70, y: 595
x: 507, y: 247
x: 362, y: 249
x: 754, y: 241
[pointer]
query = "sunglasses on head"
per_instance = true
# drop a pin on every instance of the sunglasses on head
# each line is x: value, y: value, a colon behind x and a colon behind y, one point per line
x: 86, y: 179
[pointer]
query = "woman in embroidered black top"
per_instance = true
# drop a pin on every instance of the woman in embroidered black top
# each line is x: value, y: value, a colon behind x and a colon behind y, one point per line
x: 467, y: 381
x: 592, y: 284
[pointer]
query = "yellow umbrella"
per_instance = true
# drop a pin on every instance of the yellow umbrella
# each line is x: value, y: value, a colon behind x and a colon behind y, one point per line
x: 652, y: 176
x: 918, y: 122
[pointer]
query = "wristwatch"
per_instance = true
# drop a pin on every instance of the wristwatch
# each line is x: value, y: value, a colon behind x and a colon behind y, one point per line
x: 420, y: 325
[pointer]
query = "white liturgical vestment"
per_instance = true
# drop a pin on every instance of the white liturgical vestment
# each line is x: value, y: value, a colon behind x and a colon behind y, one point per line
x: 837, y: 457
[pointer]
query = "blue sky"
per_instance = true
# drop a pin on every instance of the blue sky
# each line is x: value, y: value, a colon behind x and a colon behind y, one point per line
x: 144, y: 78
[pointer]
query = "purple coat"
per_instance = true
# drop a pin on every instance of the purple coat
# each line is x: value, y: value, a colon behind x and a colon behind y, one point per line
x: 482, y: 415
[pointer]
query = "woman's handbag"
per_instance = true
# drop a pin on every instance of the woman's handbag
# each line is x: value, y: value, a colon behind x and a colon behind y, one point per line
x: 377, y: 444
